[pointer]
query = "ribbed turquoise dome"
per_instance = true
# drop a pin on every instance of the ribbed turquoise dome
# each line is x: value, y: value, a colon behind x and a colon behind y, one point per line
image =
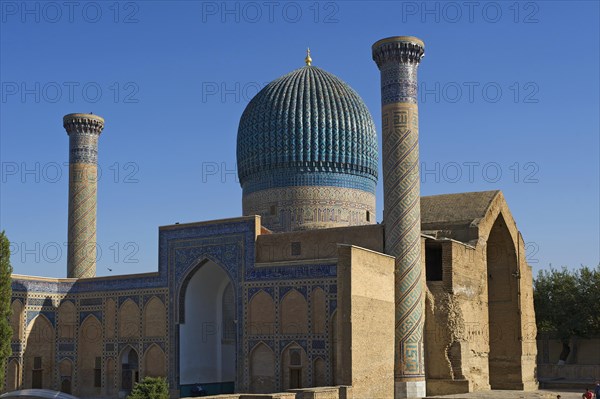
x: 307, y: 128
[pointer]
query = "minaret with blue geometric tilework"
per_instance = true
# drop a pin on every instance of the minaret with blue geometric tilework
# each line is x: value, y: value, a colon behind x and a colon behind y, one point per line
x: 84, y: 131
x: 398, y: 59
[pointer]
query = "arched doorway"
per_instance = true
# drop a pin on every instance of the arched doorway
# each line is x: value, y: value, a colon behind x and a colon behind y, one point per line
x: 13, y: 376
x: 130, y: 369
x: 207, y: 335
x: 503, y: 308
x: 262, y: 369
x: 38, y: 362
x: 294, y: 367
x: 65, y: 369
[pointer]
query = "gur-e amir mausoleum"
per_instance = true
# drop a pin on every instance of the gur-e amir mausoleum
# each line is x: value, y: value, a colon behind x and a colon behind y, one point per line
x: 305, y: 295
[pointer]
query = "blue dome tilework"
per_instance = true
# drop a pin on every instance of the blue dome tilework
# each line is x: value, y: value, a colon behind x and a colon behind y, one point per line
x: 307, y: 128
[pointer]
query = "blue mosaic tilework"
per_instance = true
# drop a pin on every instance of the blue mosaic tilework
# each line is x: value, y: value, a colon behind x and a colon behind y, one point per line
x: 285, y: 290
x: 307, y: 120
x: 148, y: 297
x: 16, y: 347
x: 398, y: 62
x: 129, y: 282
x: 83, y: 315
x: 134, y: 346
x: 90, y: 301
x: 230, y: 244
x: 40, y: 302
x: 149, y: 344
x: 17, y: 298
x: 291, y: 273
x: 66, y: 347
x: 289, y: 177
x: 183, y: 250
x: 332, y: 305
x: 134, y: 298
x: 252, y: 343
x: 51, y: 316
x: 254, y: 290
x: 285, y: 342
x: 318, y: 344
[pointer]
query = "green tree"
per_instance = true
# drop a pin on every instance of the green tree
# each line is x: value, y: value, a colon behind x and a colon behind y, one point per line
x: 567, y: 303
x: 150, y: 388
x: 5, y: 297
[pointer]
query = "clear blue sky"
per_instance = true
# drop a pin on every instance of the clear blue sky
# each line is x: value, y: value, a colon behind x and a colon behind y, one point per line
x: 512, y: 103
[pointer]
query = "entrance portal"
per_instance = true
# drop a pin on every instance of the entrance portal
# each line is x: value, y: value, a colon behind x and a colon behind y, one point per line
x: 503, y: 309
x: 207, y: 332
x: 129, y: 369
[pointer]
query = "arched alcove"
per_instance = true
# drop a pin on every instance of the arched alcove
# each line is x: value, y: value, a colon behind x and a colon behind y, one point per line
x: 294, y: 367
x: 12, y: 376
x: 262, y: 369
x: 261, y: 314
x: 154, y: 362
x: 38, y: 363
x: 89, y: 357
x: 129, y: 319
x: 155, y: 318
x: 503, y: 308
x: 207, y: 308
x: 294, y: 313
x: 16, y: 319
x: 66, y: 320
x: 110, y: 376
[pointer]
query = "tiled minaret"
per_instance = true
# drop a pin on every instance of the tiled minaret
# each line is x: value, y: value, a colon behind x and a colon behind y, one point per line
x: 398, y: 59
x: 83, y: 131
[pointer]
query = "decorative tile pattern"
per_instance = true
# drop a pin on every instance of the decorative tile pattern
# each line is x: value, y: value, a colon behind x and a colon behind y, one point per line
x: 253, y: 290
x: 44, y: 302
x: 308, y: 120
x: 309, y: 132
x: 51, y: 316
x: 310, y: 207
x: 398, y: 61
x: 66, y: 347
x: 90, y: 301
x: 293, y: 178
x: 83, y: 315
x: 84, y: 131
x: 183, y: 250
x: 230, y: 244
x: 318, y: 344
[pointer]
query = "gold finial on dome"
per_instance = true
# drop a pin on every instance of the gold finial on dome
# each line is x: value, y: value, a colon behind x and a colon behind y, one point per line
x: 308, y: 60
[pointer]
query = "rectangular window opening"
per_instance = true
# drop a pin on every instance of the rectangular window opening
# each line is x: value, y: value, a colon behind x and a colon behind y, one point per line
x: 433, y: 262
